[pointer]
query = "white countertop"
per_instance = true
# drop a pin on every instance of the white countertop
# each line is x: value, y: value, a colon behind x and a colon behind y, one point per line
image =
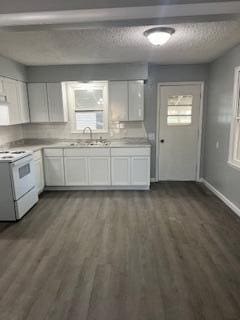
x: 121, y: 143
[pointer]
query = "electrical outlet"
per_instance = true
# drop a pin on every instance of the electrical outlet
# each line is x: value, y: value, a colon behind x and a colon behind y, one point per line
x: 217, y: 145
x: 151, y: 136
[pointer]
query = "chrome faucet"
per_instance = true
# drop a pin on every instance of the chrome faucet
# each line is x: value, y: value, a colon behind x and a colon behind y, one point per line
x: 90, y: 131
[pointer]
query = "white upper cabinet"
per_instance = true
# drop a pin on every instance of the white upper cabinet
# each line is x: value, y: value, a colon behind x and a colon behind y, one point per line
x: 126, y: 100
x: 56, y: 103
x: 11, y: 91
x: 118, y: 97
x: 46, y: 102
x: 2, y: 91
x: 38, y: 104
x: 135, y: 100
x: 14, y: 102
x: 23, y: 102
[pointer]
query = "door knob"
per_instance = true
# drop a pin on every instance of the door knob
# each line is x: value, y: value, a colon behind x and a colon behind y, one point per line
x: 162, y: 140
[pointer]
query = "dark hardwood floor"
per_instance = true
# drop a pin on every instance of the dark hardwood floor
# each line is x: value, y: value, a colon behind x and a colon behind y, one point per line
x: 172, y: 253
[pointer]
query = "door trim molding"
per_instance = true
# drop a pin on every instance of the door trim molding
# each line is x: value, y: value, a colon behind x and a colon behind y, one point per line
x: 179, y: 83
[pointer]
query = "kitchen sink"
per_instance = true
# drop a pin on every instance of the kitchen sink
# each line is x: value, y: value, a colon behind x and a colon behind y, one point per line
x: 93, y: 143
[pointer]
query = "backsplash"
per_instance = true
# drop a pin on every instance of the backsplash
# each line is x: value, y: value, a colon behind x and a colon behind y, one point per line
x: 63, y: 131
x: 10, y: 133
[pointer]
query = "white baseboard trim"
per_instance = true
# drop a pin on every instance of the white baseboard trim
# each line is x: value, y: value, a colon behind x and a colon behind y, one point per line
x: 96, y: 188
x: 153, y: 180
x: 229, y: 203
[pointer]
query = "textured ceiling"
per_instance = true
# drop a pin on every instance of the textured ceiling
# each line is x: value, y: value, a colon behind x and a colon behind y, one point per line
x: 192, y: 43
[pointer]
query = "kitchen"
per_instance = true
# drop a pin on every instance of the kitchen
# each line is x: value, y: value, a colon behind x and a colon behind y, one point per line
x: 119, y: 160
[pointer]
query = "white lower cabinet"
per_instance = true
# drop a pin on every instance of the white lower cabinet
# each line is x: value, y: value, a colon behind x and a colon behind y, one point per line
x: 54, y: 171
x: 99, y: 171
x: 126, y: 167
x: 39, y: 173
x: 121, y: 171
x: 140, y: 171
x: 76, y: 171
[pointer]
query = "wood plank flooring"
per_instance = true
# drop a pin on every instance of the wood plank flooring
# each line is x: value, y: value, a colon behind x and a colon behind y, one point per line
x: 172, y: 253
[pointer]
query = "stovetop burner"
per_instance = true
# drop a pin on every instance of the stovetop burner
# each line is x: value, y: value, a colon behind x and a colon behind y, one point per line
x: 7, y: 157
x: 17, y: 152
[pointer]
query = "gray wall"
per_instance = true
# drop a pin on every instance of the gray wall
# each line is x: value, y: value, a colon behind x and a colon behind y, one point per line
x: 220, y: 98
x: 12, y: 69
x: 171, y: 73
x: 87, y: 72
x: 127, y: 71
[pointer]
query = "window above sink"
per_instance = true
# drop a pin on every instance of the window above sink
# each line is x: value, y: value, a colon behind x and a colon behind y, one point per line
x: 88, y: 105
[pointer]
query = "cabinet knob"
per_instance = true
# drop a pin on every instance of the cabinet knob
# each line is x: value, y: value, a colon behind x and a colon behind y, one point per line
x: 162, y: 140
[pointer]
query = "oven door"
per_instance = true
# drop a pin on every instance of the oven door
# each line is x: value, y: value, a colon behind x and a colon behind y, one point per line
x: 23, y: 176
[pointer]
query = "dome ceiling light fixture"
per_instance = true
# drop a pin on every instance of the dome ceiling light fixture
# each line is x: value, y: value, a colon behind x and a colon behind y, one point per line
x: 159, y: 36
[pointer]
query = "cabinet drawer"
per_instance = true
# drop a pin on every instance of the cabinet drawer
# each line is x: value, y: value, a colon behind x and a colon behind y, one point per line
x: 130, y: 152
x: 53, y: 152
x: 86, y: 152
x: 37, y: 155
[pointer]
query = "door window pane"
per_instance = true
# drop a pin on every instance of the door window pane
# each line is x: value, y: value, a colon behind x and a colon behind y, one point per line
x: 180, y: 110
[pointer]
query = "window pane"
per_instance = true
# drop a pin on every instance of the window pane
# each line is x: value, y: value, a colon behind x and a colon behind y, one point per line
x: 179, y: 110
x: 185, y: 100
x: 94, y: 120
x: 182, y: 120
x: 90, y: 99
x: 182, y: 110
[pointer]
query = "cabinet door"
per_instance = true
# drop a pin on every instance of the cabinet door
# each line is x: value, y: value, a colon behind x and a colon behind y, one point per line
x: 140, y: 171
x: 57, y: 109
x: 38, y: 104
x: 99, y: 171
x: 54, y: 171
x: 11, y: 90
x: 2, y: 89
x: 136, y: 100
x: 121, y: 171
x: 39, y: 175
x: 76, y: 173
x: 118, y: 97
x: 23, y: 102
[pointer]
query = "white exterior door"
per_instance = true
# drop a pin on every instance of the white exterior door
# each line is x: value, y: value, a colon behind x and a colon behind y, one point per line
x: 179, y: 132
x: 76, y: 171
x: 121, y: 171
x: 99, y: 171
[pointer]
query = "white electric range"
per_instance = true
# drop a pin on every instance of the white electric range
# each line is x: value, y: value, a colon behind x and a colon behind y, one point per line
x: 17, y: 184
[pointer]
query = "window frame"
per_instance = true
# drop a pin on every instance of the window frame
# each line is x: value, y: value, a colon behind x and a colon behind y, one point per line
x: 235, y: 123
x: 73, y: 85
